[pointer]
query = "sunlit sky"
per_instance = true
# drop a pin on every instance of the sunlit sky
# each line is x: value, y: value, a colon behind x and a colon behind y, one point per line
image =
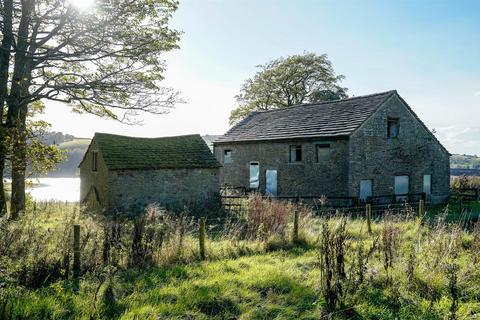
x: 427, y: 50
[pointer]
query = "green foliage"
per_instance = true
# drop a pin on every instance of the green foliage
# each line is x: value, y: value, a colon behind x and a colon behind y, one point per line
x: 286, y: 82
x: 40, y: 157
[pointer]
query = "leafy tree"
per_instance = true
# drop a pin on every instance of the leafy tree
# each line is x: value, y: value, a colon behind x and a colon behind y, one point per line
x: 286, y: 82
x: 40, y: 157
x: 104, y: 61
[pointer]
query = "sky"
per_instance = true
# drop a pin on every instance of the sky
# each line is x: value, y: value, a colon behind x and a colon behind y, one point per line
x: 429, y: 51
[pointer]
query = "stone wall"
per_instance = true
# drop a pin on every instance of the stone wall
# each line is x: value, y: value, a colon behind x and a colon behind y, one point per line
x: 308, y: 177
x: 90, y: 180
x: 132, y: 190
x: 414, y: 153
x: 367, y: 154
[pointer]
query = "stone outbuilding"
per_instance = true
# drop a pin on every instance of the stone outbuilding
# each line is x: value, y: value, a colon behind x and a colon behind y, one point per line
x: 126, y: 174
x: 360, y: 147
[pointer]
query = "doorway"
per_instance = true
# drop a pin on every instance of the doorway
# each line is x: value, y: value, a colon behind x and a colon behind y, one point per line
x: 271, y: 183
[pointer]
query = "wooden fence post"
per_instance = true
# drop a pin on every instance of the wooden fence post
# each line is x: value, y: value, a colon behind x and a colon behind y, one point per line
x: 202, y: 238
x: 421, y: 208
x: 76, y: 256
x: 368, y: 211
x: 295, y: 226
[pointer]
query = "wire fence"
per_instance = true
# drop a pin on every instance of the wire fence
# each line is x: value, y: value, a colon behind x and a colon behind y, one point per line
x: 458, y: 200
x: 321, y: 207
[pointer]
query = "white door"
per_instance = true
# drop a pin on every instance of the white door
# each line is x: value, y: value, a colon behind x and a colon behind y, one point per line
x: 427, y: 184
x: 402, y: 187
x: 365, y: 189
x: 271, y: 183
x: 254, y: 175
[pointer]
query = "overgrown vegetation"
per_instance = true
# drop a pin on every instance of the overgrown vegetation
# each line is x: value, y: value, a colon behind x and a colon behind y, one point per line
x: 150, y: 268
x: 465, y: 182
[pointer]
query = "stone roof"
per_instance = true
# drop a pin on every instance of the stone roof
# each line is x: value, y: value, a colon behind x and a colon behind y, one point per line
x: 324, y: 119
x: 131, y: 153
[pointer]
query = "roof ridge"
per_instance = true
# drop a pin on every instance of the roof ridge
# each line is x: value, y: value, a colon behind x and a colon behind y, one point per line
x: 151, y: 138
x: 327, y: 102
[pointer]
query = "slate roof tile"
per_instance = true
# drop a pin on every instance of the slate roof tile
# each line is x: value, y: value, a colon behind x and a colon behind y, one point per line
x: 324, y: 119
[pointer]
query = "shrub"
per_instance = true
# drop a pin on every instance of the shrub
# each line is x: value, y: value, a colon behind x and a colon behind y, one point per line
x: 465, y: 182
x: 269, y: 216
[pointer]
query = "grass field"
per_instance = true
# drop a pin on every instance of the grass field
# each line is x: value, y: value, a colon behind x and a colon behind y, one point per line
x: 401, y: 270
x: 76, y: 143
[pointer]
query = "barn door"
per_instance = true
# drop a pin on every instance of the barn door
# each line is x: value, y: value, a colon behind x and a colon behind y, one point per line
x: 271, y: 183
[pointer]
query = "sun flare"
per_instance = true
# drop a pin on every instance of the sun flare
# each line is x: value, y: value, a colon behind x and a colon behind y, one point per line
x: 83, y: 4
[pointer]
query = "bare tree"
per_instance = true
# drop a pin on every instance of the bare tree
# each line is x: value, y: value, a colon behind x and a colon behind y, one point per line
x: 105, y: 61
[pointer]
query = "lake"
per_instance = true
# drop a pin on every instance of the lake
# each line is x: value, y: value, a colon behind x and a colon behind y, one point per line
x: 59, y: 189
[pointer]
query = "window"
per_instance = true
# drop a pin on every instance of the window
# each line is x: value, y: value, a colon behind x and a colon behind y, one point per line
x: 402, y: 187
x: 322, y: 152
x: 94, y: 160
x: 296, y: 153
x: 392, y: 128
x: 254, y: 175
x: 365, y: 189
x: 427, y: 184
x: 227, y: 156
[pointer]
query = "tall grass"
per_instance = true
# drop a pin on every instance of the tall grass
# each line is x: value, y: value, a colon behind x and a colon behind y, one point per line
x: 37, y: 250
x: 150, y: 267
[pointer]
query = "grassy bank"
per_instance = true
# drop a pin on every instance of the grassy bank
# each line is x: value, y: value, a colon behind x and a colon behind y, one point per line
x: 403, y: 269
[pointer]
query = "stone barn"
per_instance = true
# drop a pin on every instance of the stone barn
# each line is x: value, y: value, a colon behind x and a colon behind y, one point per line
x: 126, y: 174
x: 360, y: 147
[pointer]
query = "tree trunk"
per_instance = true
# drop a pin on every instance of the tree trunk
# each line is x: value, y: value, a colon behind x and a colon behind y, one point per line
x: 3, y: 157
x: 17, y: 108
x: 4, y: 67
x: 17, y: 203
x: 3, y: 200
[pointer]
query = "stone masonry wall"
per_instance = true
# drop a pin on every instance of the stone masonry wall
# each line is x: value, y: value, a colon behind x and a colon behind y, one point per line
x: 327, y: 177
x: 133, y: 190
x: 414, y: 153
x: 90, y: 179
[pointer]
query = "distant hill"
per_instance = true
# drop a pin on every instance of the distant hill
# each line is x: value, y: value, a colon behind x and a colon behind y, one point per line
x: 56, y: 138
x: 464, y: 161
x: 76, y: 149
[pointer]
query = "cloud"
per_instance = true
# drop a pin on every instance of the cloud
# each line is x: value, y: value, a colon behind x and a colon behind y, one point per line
x: 460, y: 139
x: 477, y: 94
